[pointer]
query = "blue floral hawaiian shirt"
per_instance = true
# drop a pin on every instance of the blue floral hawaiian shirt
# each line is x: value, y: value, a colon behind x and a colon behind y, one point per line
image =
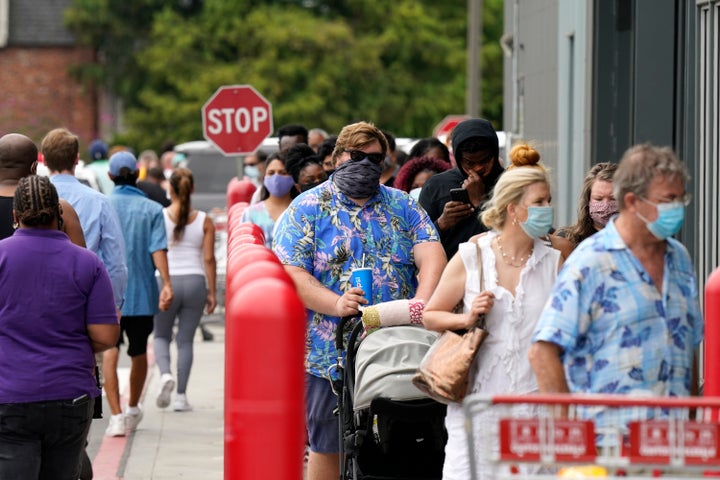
x: 329, y: 235
x: 617, y: 332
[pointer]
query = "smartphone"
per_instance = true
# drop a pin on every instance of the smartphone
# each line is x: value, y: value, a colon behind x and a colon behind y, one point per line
x: 459, y: 195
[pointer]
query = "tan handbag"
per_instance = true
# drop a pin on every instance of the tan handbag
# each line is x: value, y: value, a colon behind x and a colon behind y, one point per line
x: 444, y: 370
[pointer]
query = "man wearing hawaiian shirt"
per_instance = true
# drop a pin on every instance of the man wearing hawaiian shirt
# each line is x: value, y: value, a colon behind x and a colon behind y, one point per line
x: 349, y: 222
x: 623, y: 316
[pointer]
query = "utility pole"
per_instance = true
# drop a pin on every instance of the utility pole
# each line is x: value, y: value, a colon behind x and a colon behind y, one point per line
x: 474, y: 43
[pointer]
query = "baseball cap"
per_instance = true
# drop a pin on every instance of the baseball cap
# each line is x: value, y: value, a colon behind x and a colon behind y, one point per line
x: 98, y: 150
x: 121, y: 160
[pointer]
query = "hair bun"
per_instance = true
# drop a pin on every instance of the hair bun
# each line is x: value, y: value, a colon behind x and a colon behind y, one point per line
x: 523, y: 155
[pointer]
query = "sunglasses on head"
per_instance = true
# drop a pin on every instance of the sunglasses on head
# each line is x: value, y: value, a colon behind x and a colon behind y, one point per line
x: 358, y: 155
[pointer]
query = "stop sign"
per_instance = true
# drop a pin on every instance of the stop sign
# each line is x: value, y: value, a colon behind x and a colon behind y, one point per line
x: 236, y: 119
x: 443, y: 129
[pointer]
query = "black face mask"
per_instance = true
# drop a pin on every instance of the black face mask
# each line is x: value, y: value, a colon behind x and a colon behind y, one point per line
x: 308, y: 186
x: 358, y: 179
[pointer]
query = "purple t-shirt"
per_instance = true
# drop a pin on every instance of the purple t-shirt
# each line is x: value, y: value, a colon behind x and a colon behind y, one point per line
x: 50, y: 290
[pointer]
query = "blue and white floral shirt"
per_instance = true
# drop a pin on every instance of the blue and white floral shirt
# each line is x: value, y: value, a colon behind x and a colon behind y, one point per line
x: 328, y: 235
x: 617, y: 332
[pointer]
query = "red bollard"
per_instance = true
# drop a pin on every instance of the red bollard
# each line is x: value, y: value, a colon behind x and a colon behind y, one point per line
x: 244, y: 238
x: 234, y: 213
x: 251, y: 271
x: 711, y: 375
x: 247, y: 227
x: 264, y: 382
x: 241, y: 256
x: 238, y: 248
x: 239, y: 191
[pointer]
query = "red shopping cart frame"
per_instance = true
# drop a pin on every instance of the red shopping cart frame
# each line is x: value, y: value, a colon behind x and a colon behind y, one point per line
x: 556, y: 438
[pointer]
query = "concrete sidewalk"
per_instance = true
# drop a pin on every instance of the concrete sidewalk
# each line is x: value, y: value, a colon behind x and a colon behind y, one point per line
x: 168, y: 444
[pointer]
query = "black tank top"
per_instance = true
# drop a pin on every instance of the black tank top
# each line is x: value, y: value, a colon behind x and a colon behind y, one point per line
x: 6, y: 217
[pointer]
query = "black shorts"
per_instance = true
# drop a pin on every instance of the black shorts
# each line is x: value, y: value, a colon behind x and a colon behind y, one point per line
x: 138, y: 330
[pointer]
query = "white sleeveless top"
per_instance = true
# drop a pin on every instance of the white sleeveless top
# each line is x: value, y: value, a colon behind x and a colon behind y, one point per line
x: 502, y: 365
x: 185, y: 257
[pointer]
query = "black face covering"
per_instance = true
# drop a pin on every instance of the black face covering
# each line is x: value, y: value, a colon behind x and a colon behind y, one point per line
x: 308, y: 186
x: 358, y: 179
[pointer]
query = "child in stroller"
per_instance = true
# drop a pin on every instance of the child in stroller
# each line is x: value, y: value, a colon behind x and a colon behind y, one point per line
x: 389, y: 430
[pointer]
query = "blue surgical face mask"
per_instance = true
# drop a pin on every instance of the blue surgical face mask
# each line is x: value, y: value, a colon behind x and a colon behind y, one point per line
x: 252, y: 172
x: 539, y: 221
x: 415, y: 193
x: 670, y: 219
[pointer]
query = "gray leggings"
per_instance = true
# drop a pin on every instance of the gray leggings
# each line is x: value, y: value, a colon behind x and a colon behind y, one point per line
x: 189, y: 294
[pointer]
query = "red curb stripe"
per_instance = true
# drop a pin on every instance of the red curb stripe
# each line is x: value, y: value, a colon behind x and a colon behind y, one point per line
x: 106, y: 463
x: 107, y: 460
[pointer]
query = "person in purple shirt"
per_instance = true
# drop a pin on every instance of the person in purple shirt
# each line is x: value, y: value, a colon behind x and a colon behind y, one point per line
x: 56, y: 310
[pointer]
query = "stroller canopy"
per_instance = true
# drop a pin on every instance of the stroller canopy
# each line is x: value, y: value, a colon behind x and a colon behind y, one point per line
x: 386, y: 361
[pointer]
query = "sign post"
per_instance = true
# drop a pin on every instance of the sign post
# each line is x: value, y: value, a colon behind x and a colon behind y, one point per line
x: 236, y: 119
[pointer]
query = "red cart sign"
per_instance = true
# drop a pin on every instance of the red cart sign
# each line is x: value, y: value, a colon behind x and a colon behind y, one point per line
x: 236, y: 119
x: 661, y: 441
x: 528, y: 439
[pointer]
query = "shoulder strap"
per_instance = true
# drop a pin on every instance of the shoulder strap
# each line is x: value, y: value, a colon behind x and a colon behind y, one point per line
x: 481, y: 320
x: 480, y: 267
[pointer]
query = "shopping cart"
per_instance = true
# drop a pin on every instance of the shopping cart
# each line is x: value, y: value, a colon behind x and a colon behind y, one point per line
x: 561, y: 436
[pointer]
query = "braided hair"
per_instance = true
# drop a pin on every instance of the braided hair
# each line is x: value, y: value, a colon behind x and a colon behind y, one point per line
x: 182, y: 183
x: 36, y: 202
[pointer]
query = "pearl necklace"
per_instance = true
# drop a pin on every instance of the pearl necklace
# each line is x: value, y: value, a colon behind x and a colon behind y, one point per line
x: 520, y: 262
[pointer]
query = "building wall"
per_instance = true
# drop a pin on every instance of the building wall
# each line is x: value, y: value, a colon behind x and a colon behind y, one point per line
x: 531, y: 104
x: 39, y: 94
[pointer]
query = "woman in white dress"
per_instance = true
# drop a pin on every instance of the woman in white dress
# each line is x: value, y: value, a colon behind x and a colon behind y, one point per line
x: 519, y: 270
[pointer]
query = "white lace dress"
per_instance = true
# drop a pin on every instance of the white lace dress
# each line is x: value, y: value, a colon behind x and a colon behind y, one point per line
x: 501, y: 365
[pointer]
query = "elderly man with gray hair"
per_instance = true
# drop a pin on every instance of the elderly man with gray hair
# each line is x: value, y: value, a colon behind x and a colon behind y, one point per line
x: 623, y: 316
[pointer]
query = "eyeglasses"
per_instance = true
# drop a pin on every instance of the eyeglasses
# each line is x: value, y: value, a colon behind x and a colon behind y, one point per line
x: 359, y: 155
x: 685, y: 200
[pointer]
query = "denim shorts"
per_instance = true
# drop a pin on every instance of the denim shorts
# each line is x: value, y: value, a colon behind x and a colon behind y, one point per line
x: 322, y: 424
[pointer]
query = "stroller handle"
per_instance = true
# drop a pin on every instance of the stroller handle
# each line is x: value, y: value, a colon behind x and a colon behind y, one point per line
x: 339, y: 333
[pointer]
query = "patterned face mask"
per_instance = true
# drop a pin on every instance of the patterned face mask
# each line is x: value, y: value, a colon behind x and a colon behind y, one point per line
x: 602, y: 212
x: 358, y: 178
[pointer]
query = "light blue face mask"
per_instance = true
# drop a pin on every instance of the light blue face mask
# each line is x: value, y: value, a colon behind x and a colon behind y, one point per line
x: 539, y: 221
x: 415, y: 193
x: 252, y: 172
x: 670, y: 219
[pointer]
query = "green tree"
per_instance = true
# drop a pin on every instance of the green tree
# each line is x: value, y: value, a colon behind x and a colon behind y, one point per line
x: 400, y: 64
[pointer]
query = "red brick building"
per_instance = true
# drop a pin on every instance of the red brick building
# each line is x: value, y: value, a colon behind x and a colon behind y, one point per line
x: 37, y: 90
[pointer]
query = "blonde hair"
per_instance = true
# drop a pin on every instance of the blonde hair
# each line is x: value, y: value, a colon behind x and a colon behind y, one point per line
x: 525, y: 170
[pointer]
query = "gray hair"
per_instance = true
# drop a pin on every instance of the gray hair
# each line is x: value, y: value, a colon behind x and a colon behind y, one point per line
x: 320, y: 132
x: 638, y: 167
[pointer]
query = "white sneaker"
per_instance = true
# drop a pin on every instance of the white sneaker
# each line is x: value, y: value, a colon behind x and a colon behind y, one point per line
x: 132, y: 418
x: 181, y: 403
x: 116, y: 426
x: 166, y: 387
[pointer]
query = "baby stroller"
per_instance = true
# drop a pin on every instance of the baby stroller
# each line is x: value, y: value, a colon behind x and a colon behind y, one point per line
x: 389, y: 430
